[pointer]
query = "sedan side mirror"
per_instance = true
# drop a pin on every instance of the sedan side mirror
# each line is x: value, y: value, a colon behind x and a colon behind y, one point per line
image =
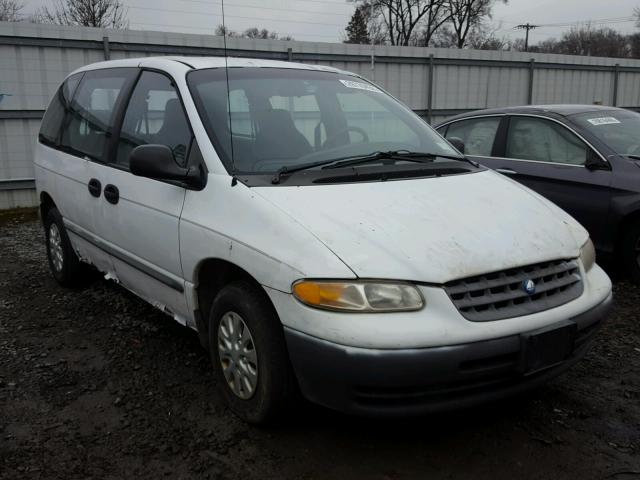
x: 594, y: 162
x: 458, y: 143
x: 159, y: 163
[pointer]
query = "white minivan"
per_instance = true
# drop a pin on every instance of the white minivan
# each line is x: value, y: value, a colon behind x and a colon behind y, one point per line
x: 319, y: 236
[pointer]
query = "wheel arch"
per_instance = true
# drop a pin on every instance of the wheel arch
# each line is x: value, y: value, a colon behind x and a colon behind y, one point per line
x: 626, y: 222
x: 211, y: 276
x: 46, y: 204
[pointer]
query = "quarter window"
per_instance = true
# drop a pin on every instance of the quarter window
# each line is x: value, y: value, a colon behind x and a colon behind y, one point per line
x: 478, y: 134
x: 89, y: 122
x: 53, y: 119
x: 542, y: 140
x: 154, y: 116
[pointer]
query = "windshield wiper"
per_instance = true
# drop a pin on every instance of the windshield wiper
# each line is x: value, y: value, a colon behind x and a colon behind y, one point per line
x: 343, y: 161
x: 635, y: 157
x: 406, y: 155
x: 418, y: 157
x: 305, y: 166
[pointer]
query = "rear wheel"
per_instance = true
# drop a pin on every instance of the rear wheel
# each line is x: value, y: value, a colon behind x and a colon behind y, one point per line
x: 63, y: 261
x: 631, y: 252
x: 249, y: 354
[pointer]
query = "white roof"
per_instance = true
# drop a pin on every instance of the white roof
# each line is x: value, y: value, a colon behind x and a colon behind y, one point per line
x: 207, y: 62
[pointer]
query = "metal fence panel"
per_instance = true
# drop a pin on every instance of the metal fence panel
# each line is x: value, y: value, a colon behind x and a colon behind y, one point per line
x: 436, y: 83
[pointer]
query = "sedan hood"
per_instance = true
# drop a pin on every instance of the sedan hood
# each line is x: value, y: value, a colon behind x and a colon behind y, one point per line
x: 434, y: 229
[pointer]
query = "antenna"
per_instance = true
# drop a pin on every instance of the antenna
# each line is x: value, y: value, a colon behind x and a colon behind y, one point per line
x: 226, y: 72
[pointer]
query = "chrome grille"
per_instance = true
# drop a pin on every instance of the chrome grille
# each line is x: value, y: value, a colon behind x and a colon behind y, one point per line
x: 500, y: 295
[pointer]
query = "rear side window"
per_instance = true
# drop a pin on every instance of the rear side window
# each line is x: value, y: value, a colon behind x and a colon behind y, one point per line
x: 154, y: 115
x: 542, y: 140
x: 53, y: 119
x: 478, y: 134
x: 89, y: 122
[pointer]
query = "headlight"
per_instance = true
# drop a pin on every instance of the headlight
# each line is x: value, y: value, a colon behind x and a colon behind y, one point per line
x: 365, y: 296
x: 588, y: 255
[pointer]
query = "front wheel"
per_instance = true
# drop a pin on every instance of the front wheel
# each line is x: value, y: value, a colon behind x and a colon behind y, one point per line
x: 249, y: 354
x: 631, y: 252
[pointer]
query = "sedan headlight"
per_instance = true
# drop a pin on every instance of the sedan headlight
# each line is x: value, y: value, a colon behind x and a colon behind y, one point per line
x: 365, y: 296
x: 588, y: 255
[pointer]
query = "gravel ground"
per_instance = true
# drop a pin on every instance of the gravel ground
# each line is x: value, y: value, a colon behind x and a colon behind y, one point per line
x: 94, y: 383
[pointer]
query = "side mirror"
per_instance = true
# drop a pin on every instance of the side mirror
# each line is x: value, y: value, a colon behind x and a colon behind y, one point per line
x: 594, y: 162
x: 158, y: 162
x: 458, y: 143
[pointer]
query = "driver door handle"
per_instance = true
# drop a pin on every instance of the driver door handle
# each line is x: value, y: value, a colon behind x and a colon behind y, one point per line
x: 94, y: 187
x: 506, y: 171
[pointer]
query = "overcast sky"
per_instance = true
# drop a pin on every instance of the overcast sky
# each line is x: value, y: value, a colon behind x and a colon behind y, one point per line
x: 325, y: 20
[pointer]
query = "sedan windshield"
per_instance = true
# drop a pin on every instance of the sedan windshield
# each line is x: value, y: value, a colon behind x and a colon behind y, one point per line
x: 619, y: 129
x: 275, y: 119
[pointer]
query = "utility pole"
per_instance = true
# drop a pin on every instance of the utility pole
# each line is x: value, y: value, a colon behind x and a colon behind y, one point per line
x: 527, y: 27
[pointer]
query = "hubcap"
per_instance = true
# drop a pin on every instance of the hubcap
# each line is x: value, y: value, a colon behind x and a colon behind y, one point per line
x: 55, y: 247
x: 238, y: 356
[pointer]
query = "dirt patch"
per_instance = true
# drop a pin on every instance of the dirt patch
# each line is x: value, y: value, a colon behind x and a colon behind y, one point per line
x: 94, y: 383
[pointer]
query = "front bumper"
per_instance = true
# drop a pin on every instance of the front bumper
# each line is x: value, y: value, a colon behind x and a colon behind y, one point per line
x: 423, y: 380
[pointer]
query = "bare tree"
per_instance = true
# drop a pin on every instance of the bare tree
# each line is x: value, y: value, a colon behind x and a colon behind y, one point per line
x: 255, y: 33
x: 402, y: 18
x: 87, y: 13
x: 467, y: 15
x: 483, y: 37
x: 601, y: 42
x: 10, y: 10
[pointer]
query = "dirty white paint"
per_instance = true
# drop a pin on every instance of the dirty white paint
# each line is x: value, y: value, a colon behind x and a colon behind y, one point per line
x: 429, y: 230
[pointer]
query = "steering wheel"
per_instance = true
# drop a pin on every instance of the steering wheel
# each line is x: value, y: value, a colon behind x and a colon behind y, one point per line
x: 329, y: 141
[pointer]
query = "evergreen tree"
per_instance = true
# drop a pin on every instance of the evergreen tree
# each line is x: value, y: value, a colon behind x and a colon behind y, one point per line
x: 357, y: 29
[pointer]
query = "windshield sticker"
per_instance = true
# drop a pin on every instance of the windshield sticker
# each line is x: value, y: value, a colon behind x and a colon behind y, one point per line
x: 603, y: 121
x: 359, y: 85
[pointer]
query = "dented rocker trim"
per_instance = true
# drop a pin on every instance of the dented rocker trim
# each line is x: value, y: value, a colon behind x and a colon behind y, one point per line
x: 128, y: 259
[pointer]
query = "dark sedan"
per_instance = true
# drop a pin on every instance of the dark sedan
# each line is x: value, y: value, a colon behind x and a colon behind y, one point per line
x: 584, y: 158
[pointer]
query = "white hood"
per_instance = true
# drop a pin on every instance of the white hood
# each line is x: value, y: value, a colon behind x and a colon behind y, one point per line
x: 434, y: 229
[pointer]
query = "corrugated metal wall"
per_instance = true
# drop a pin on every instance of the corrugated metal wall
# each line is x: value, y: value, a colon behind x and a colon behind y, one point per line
x: 436, y: 83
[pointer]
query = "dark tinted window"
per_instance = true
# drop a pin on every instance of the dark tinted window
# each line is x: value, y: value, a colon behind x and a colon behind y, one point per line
x: 617, y: 128
x: 90, y: 120
x: 276, y: 118
x: 478, y: 134
x: 544, y: 141
x: 154, y: 115
x: 54, y: 116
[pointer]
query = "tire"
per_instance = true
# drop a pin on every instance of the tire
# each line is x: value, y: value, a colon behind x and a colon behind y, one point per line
x: 631, y: 252
x: 262, y: 385
x: 65, y: 265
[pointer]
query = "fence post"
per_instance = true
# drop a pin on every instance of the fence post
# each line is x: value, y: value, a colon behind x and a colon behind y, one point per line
x: 105, y: 48
x: 532, y: 68
x: 290, y: 54
x: 430, y: 90
x: 616, y: 78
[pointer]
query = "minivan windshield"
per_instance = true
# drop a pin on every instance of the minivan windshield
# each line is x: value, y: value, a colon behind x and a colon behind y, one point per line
x: 619, y: 129
x: 276, y: 119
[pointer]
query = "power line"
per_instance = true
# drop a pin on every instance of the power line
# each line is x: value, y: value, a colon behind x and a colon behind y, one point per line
x: 167, y: 10
x: 324, y: 2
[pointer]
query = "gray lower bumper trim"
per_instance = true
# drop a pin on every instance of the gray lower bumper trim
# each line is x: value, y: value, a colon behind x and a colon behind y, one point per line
x: 414, y: 381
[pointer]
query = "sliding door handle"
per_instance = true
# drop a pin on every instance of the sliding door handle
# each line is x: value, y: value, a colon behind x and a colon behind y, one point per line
x: 111, y: 194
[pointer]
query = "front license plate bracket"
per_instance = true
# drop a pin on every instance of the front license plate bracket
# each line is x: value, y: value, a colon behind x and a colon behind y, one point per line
x: 547, y: 347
